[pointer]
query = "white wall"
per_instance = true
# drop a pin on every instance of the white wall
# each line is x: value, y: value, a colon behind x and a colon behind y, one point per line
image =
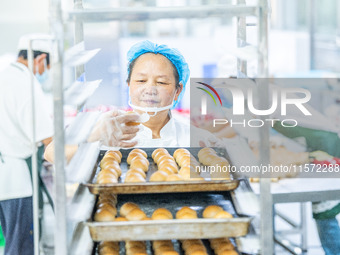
x: 18, y: 17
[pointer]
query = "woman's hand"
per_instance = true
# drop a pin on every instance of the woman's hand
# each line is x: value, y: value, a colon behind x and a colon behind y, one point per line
x: 112, y: 131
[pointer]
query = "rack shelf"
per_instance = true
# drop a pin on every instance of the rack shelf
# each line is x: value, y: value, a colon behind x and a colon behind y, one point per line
x: 154, y: 13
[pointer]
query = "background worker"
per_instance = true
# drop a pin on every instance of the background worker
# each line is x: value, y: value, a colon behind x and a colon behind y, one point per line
x: 16, y: 210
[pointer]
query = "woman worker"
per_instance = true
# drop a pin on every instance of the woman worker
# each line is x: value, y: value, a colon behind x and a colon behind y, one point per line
x: 157, y: 76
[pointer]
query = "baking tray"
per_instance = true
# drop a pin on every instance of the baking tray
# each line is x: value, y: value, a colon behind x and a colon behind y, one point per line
x: 159, y: 187
x: 176, y: 244
x: 172, y: 229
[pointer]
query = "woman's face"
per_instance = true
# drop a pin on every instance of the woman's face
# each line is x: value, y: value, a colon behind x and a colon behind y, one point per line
x: 152, y: 81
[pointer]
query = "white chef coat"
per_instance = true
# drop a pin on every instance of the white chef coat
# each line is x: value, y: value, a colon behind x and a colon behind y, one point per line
x: 175, y: 133
x: 16, y: 129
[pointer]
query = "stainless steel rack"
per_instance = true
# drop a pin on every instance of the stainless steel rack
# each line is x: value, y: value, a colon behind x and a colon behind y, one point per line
x: 66, y: 229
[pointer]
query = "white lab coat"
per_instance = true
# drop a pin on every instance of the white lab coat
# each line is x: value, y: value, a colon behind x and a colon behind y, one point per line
x: 16, y: 129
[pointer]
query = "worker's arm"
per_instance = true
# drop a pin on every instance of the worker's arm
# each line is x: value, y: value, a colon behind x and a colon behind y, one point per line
x: 70, y: 150
x: 110, y: 130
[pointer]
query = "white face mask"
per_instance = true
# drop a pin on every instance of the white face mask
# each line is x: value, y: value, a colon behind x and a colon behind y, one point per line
x: 44, y: 78
x: 146, y: 116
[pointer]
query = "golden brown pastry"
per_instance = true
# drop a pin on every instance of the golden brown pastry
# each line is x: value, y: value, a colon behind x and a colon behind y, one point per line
x: 108, y: 162
x: 113, y: 156
x: 158, y: 176
x: 158, y: 243
x: 140, y: 162
x: 112, y: 209
x: 163, y: 211
x: 132, y: 155
x: 179, y: 151
x: 158, y: 150
x: 120, y: 219
x: 134, y: 177
x: 169, y: 253
x: 114, y: 152
x: 185, y: 210
x: 174, y: 178
x: 104, y: 215
x: 132, y: 244
x: 170, y: 165
x: 107, y: 180
x: 223, y: 215
x: 140, y: 151
x: 211, y: 211
x: 126, y: 208
x: 136, y: 170
x: 136, y: 214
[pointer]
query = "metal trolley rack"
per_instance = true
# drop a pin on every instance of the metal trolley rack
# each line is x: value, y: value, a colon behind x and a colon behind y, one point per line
x: 67, y: 228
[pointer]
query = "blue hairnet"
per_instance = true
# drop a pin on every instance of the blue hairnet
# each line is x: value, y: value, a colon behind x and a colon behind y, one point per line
x: 172, y: 54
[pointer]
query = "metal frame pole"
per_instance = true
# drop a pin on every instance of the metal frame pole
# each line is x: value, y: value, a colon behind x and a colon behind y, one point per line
x: 312, y: 15
x: 241, y: 38
x: 303, y: 227
x: 35, y: 182
x: 78, y: 34
x: 60, y: 237
x: 266, y: 199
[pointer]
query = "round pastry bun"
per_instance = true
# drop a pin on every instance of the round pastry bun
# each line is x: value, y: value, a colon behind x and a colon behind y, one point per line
x: 171, y: 165
x: 174, y: 178
x: 185, y: 210
x: 228, y: 252
x: 163, y: 211
x: 164, y: 157
x: 205, y: 150
x: 126, y: 208
x: 158, y: 150
x: 114, y: 152
x: 211, y: 210
x: 198, y: 252
x: 108, y: 172
x: 136, y: 170
x: 158, y: 155
x: 167, y: 170
x: 195, y: 247
x: 135, y: 250
x: 223, y: 215
x: 179, y: 151
x: 160, y: 216
x: 121, y: 219
x: 107, y: 179
x: 134, y: 177
x: 109, y: 207
x: 158, y: 176
x: 103, y: 215
x: 108, y: 162
x: 114, y: 245
x: 105, y: 250
x: 106, y: 200
x: 140, y: 162
x: 132, y: 244
x: 186, y: 216
x: 132, y: 155
x: 136, y: 214
x: 114, y: 156
x: 140, y: 151
x: 170, y: 253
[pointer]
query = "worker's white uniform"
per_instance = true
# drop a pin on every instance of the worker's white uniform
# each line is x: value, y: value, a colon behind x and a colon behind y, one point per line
x: 16, y: 129
x: 175, y: 133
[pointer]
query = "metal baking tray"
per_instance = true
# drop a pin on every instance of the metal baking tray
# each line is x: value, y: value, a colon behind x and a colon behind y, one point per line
x: 176, y: 244
x: 159, y: 187
x: 172, y: 229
